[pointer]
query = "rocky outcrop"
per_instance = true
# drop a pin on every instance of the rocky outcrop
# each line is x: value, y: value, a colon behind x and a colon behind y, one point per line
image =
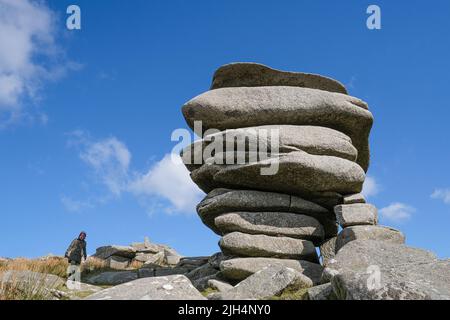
x: 380, y: 270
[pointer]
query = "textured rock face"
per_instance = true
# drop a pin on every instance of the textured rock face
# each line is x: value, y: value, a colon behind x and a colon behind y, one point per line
x: 379, y: 270
x: 230, y: 108
x: 220, y: 201
x: 272, y: 224
x: 258, y: 75
x: 379, y: 233
x: 266, y: 283
x: 242, y: 244
x: 356, y: 214
x: 112, y: 278
x: 241, y: 268
x: 176, y: 287
x: 120, y: 251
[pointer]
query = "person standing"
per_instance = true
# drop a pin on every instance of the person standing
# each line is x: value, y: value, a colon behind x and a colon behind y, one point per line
x: 74, y: 253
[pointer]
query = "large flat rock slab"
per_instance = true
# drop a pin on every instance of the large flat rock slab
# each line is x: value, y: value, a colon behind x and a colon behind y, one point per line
x: 175, y: 287
x: 272, y: 224
x: 297, y: 173
x: 355, y: 214
x: 241, y: 244
x: 379, y: 270
x: 241, y: 268
x: 220, y: 201
x: 263, y: 140
x: 232, y: 108
x: 245, y: 74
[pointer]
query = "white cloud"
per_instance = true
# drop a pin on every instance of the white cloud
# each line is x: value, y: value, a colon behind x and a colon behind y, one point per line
x: 370, y: 187
x: 110, y: 159
x: 170, y: 180
x: 442, y: 194
x: 397, y: 212
x: 74, y: 205
x: 165, y: 186
x: 29, y: 55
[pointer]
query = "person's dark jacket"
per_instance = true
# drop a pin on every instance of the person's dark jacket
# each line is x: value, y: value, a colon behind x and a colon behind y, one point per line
x: 76, y: 251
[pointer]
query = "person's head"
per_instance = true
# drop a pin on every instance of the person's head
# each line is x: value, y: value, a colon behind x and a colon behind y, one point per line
x: 82, y: 235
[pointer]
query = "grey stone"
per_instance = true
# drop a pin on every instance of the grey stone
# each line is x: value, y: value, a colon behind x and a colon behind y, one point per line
x: 354, y: 198
x: 157, y: 258
x: 272, y: 224
x: 245, y: 74
x: 193, y: 262
x: 266, y: 283
x: 30, y: 281
x: 111, y: 278
x: 327, y: 250
x: 167, y: 271
x: 241, y: 268
x: 148, y: 247
x: 262, y: 140
x: 231, y: 108
x: 321, y: 292
x: 404, y: 273
x: 218, y: 285
x: 114, y: 250
x: 201, y: 284
x: 171, y: 257
x: 242, y: 244
x: 298, y: 173
x: 215, y: 260
x: 118, y: 262
x: 380, y: 233
x: 221, y: 201
x: 201, y: 272
x: 143, y: 257
x: 348, y: 215
x: 176, y: 287
x: 75, y: 286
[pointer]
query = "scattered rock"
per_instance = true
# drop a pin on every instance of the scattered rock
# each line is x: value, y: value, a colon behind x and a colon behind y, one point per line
x: 176, y: 287
x: 242, y: 244
x: 111, y: 278
x: 171, y: 257
x: 321, y: 292
x: 380, y: 233
x: 121, y: 251
x: 356, y: 214
x: 218, y: 285
x: 268, y: 282
x: 118, y: 262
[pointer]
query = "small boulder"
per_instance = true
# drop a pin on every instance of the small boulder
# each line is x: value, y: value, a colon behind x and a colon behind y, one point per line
x: 379, y: 233
x: 356, y: 214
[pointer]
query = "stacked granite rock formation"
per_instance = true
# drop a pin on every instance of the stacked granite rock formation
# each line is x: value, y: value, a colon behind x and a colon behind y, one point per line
x: 322, y: 157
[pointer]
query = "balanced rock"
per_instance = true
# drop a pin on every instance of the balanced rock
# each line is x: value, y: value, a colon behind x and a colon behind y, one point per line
x: 176, y: 287
x: 271, y: 224
x: 220, y: 201
x: 241, y: 268
x: 266, y: 283
x: 348, y: 215
x: 242, y: 74
x: 297, y: 173
x: 380, y: 233
x: 270, y: 139
x: 242, y: 244
x: 230, y: 108
x: 380, y: 270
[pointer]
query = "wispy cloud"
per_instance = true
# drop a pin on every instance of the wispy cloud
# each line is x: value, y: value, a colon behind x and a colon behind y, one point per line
x: 165, y: 186
x: 397, y: 212
x: 441, y: 194
x: 29, y: 56
x: 371, y: 187
x: 74, y: 205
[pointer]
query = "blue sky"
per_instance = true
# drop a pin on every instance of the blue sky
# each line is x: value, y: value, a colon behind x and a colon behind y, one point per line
x: 86, y: 115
